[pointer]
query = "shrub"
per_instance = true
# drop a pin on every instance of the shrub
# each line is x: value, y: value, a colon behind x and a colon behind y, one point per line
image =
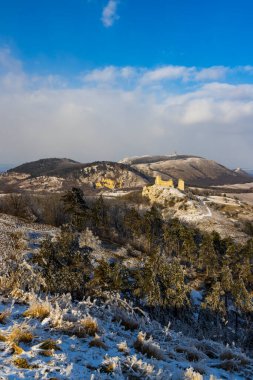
x: 65, y: 265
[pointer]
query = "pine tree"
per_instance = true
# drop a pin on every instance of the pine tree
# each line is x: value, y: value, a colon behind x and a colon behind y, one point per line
x: 214, y: 300
x: 188, y: 249
x: 208, y: 259
x: 99, y: 215
x: 65, y: 266
x: 162, y: 283
x: 75, y: 206
x: 226, y: 280
x: 107, y: 277
x: 242, y: 298
x: 132, y: 223
x: 152, y: 225
x: 172, y: 232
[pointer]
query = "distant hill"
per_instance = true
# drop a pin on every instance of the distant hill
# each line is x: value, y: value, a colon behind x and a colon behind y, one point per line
x: 196, y: 171
x: 59, y: 174
x: 63, y: 172
x: 47, y: 167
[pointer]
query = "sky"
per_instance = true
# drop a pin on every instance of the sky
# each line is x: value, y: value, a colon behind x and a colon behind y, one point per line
x: 107, y: 79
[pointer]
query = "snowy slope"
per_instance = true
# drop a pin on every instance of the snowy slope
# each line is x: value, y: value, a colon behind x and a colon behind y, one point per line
x: 119, y: 357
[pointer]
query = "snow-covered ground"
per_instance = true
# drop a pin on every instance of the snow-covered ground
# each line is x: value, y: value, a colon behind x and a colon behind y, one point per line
x: 57, y: 338
x: 117, y: 350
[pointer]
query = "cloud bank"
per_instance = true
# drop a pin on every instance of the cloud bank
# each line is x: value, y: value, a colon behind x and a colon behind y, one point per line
x: 115, y: 112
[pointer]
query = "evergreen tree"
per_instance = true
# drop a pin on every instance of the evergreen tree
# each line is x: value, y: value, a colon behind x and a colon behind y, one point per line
x: 65, y: 266
x: 214, y: 300
x: 242, y: 298
x: 99, y: 215
x: 188, y: 249
x: 208, y: 260
x: 132, y: 223
x: 75, y: 206
x: 162, y: 283
x: 152, y: 226
x: 108, y: 276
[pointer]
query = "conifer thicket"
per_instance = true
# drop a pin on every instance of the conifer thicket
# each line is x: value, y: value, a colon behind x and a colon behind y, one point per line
x: 174, y: 259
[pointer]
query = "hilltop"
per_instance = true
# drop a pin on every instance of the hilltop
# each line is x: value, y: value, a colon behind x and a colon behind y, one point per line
x: 196, y: 171
x: 47, y: 167
x: 59, y: 174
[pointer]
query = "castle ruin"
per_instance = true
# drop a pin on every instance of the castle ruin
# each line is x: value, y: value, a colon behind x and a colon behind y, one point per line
x: 169, y: 183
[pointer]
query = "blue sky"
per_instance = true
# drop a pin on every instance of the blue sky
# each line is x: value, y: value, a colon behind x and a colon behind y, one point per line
x: 64, y: 35
x: 153, y: 75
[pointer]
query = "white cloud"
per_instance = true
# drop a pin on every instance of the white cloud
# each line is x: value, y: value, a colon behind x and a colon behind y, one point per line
x: 46, y: 117
x: 167, y: 73
x: 109, y: 14
x: 212, y: 73
x: 109, y: 74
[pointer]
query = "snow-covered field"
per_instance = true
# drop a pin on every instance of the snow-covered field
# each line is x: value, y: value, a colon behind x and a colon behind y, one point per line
x: 121, y: 343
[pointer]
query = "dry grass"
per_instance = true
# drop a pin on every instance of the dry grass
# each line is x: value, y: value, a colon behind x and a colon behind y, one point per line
x: 97, y: 342
x: 2, y: 338
x: 4, y: 315
x: 20, y: 333
x: 230, y: 365
x: 108, y: 366
x: 49, y: 344
x: 190, y: 374
x: 122, y: 347
x: 148, y: 347
x: 16, y: 350
x: 228, y: 355
x: 46, y: 353
x: 23, y: 363
x: 142, y: 369
x: 191, y: 353
x: 208, y: 349
x: 38, y: 310
x: 126, y: 320
x: 17, y: 240
x: 90, y: 325
x: 86, y: 326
